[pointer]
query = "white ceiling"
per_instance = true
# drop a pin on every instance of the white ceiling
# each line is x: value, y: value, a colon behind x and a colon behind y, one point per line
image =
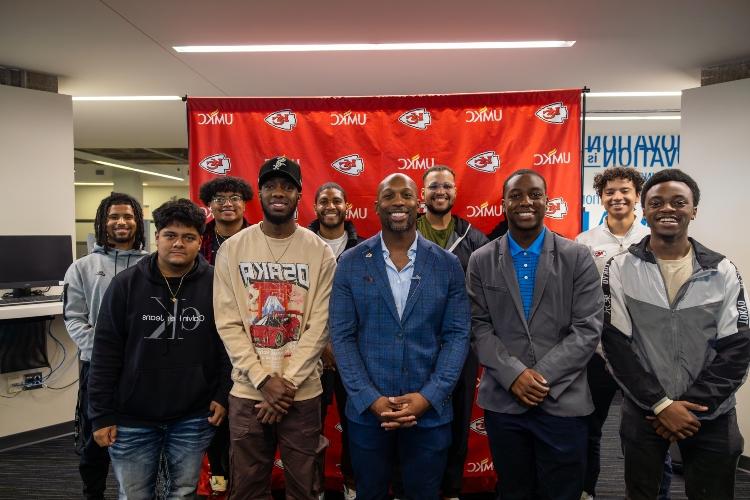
x: 123, y: 47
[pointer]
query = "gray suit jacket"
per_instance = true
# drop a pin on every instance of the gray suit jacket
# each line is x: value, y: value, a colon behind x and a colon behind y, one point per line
x: 560, y: 336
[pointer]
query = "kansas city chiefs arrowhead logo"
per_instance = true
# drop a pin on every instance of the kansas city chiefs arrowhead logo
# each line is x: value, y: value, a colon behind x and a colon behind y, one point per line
x: 418, y: 118
x: 553, y: 113
x: 557, y: 208
x: 282, y: 120
x: 487, y: 162
x: 478, y: 426
x: 216, y: 164
x: 349, y: 164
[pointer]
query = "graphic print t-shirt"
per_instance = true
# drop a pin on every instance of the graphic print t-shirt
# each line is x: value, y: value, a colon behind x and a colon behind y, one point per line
x: 271, y: 308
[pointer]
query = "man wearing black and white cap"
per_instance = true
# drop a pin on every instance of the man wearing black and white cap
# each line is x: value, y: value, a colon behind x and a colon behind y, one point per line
x: 271, y: 288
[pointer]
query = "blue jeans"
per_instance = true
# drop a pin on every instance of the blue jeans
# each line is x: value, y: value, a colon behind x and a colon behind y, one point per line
x: 135, y: 457
x: 422, y: 454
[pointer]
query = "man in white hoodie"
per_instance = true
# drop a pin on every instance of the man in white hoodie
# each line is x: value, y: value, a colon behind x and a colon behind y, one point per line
x: 119, y: 244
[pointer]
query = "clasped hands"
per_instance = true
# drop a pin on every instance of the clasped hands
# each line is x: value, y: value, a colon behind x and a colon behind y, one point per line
x: 397, y: 412
x: 278, y: 394
x: 530, y: 388
x: 676, y: 421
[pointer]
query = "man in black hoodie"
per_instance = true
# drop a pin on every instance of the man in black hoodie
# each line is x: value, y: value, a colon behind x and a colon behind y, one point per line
x: 159, y: 376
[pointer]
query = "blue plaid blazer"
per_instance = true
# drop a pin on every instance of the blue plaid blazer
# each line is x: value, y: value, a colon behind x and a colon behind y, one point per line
x: 378, y: 354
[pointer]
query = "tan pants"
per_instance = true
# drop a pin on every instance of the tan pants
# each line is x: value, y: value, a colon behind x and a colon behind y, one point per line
x: 253, y: 447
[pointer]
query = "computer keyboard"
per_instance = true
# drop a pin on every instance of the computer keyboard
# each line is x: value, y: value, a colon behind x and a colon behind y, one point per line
x: 29, y: 299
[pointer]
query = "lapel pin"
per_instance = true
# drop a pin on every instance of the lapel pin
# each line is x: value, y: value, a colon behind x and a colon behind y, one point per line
x: 368, y: 254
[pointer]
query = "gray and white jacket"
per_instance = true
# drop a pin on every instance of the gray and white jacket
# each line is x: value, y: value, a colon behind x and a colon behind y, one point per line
x: 86, y: 280
x: 696, y: 349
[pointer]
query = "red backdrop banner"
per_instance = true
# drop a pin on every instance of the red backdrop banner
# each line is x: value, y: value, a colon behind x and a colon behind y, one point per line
x: 357, y: 141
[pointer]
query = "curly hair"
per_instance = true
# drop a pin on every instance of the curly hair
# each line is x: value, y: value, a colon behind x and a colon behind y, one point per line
x: 329, y: 185
x: 102, y: 212
x: 671, y: 174
x: 625, y: 173
x: 181, y: 211
x: 226, y: 184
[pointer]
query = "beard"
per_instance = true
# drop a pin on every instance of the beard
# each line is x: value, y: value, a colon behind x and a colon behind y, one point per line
x: 339, y: 221
x: 407, y: 225
x: 435, y: 211
x: 113, y: 238
x: 276, y: 218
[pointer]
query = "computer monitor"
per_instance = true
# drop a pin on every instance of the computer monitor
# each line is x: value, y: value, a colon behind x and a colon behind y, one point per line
x: 33, y: 261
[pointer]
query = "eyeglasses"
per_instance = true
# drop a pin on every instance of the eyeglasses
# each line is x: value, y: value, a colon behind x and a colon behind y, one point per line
x: 436, y: 185
x: 220, y: 200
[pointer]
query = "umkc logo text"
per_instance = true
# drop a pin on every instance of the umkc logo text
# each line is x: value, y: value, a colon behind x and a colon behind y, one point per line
x: 355, y: 213
x: 416, y: 162
x: 483, y: 210
x: 418, y: 118
x: 215, y: 118
x: 284, y: 119
x: 484, y: 466
x: 551, y: 158
x: 348, y: 118
x: 483, y: 115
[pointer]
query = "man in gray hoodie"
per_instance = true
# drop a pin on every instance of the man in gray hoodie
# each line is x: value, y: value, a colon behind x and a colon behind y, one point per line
x: 119, y: 244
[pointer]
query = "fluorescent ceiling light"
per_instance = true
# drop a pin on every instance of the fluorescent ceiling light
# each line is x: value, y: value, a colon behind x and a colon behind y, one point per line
x: 128, y: 98
x: 132, y: 169
x: 632, y: 117
x: 329, y: 47
x: 145, y: 184
x: 633, y: 94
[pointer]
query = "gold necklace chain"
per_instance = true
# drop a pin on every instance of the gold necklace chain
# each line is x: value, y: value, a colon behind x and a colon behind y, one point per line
x: 265, y: 238
x: 174, y: 295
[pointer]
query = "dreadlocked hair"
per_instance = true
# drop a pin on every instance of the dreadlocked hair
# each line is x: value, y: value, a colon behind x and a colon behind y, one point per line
x: 100, y: 223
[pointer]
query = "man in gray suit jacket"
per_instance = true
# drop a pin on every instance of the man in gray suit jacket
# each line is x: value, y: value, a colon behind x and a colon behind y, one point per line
x: 536, y: 320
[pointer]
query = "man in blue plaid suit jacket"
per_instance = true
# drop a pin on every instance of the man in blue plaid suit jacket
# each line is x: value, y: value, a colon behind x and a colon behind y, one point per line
x: 399, y: 321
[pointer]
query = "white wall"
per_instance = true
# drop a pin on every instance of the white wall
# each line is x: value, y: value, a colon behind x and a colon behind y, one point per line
x: 36, y: 197
x: 715, y: 138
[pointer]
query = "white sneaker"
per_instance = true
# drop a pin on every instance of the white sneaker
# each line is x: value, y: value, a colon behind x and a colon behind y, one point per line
x: 349, y: 493
x: 586, y: 496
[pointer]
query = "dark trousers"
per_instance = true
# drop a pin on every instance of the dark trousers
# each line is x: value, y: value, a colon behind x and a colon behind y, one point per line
x: 94, y: 462
x: 218, y: 450
x: 332, y: 384
x: 603, y: 388
x: 537, y: 456
x: 709, y: 457
x: 253, y: 447
x: 422, y: 454
x: 463, y: 402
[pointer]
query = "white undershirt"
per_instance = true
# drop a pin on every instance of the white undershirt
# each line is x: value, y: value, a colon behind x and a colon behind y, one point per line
x: 338, y: 245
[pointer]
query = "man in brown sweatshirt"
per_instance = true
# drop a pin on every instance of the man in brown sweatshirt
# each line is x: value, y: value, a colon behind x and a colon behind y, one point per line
x: 271, y: 289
